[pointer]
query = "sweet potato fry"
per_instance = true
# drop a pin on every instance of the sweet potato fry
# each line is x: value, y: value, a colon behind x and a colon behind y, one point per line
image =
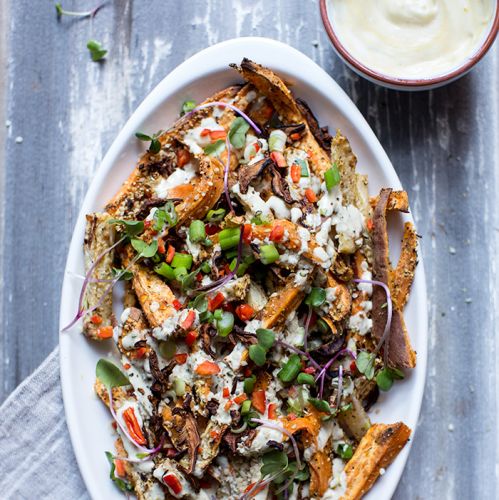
x: 98, y: 238
x: 376, y: 451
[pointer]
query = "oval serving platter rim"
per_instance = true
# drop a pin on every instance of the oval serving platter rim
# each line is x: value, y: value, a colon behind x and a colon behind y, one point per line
x: 264, y: 51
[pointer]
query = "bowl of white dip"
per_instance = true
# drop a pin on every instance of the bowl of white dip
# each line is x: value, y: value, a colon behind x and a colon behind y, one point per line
x: 411, y: 44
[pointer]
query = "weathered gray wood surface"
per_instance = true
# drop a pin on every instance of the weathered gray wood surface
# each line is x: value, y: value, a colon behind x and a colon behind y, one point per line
x: 444, y: 145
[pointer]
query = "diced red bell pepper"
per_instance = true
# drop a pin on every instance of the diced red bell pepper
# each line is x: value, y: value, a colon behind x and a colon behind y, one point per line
x: 216, y: 301
x: 272, y: 411
x: 295, y: 173
x: 181, y: 358
x: 161, y: 246
x: 207, y: 368
x: 140, y: 353
x: 278, y: 158
x: 183, y: 157
x: 245, y: 312
x: 212, y: 229
x: 226, y: 392
x: 177, y: 304
x: 240, y: 399
x: 133, y: 426
x: 310, y: 195
x: 170, y: 254
x: 119, y: 467
x: 309, y: 370
x: 215, y: 135
x: 191, y: 337
x: 189, y: 320
x: 96, y: 319
x: 173, y: 483
x: 105, y: 332
x: 277, y: 233
x: 258, y: 400
x: 247, y: 230
x: 205, y: 132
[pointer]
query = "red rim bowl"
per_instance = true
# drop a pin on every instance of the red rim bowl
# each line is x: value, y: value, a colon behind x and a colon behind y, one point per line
x: 416, y: 83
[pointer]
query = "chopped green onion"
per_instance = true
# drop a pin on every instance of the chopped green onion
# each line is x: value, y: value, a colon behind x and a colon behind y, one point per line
x: 345, y: 451
x: 268, y: 254
x: 165, y: 270
x: 245, y: 407
x: 179, y: 387
x: 305, y: 378
x: 167, y: 348
x: 182, y: 260
x: 197, y: 231
x: 231, y: 254
x: 205, y: 267
x: 205, y: 317
x: 249, y: 384
x: 266, y: 338
x: 243, y: 266
x: 316, y: 297
x: 257, y: 220
x: 179, y: 273
x: 332, y: 177
x: 187, y: 106
x: 291, y: 368
x: 277, y: 140
x: 321, y: 405
x: 303, y: 166
x: 218, y: 314
x: 225, y: 324
x: 322, y: 326
x: 215, y: 215
x: 229, y: 238
x: 257, y: 354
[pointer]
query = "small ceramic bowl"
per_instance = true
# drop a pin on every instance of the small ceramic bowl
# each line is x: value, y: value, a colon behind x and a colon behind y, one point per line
x: 402, y: 83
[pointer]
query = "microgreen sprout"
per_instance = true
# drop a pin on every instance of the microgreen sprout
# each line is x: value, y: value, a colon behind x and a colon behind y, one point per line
x: 96, y: 50
x: 89, y: 13
x: 155, y: 146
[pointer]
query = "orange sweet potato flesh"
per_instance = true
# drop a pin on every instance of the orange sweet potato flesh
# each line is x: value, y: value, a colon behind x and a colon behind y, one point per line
x: 376, y: 451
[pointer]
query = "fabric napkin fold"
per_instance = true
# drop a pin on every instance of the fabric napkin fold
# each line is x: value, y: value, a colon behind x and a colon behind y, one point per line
x: 36, y: 456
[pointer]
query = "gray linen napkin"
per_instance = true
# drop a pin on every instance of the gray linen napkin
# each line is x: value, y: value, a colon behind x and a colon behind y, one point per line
x: 36, y: 457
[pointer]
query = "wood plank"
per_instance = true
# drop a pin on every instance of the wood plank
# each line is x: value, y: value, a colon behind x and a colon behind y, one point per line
x: 443, y: 144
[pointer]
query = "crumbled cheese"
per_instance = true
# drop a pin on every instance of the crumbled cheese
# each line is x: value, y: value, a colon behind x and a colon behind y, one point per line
x: 237, y: 357
x: 349, y: 223
x: 277, y: 205
x: 252, y: 200
x: 338, y: 483
x: 304, y: 235
x: 296, y: 214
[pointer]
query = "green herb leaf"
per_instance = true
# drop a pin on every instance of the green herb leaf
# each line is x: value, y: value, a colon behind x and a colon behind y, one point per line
x: 132, y: 227
x: 258, y: 220
x: 216, y: 215
x: 215, y: 148
x: 167, y: 215
x: 321, y: 405
x: 120, y: 483
x: 155, y: 146
x: 316, y: 297
x: 345, y: 451
x: 96, y: 50
x: 165, y: 270
x: 187, y: 106
x: 291, y: 369
x: 386, y: 377
x: 237, y: 132
x: 257, y: 354
x: 109, y: 374
x: 365, y: 364
x: 145, y: 250
x: 200, y: 303
x: 143, y: 137
x: 266, y: 338
x: 305, y: 378
x: 121, y: 274
x: 249, y: 384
